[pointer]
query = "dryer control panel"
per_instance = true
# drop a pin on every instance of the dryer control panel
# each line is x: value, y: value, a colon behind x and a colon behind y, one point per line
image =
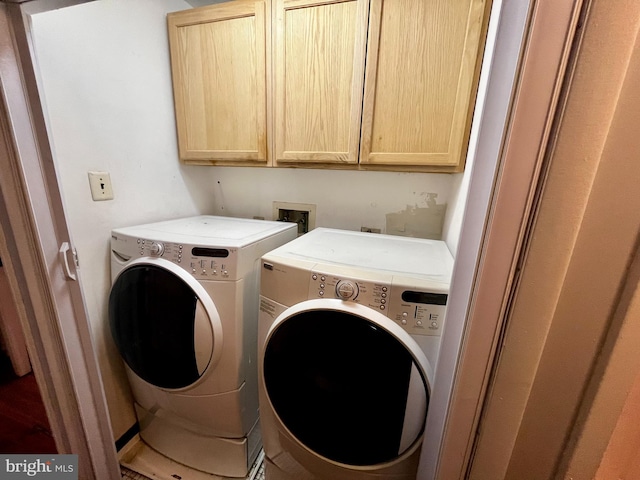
x: 418, y: 311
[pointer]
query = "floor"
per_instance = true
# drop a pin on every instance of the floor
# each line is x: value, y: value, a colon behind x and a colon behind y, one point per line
x: 256, y: 472
x: 130, y: 474
x: 24, y: 427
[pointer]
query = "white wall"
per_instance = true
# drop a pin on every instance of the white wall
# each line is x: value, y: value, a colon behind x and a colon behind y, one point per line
x: 344, y: 199
x: 106, y: 87
x: 104, y: 70
x: 460, y: 182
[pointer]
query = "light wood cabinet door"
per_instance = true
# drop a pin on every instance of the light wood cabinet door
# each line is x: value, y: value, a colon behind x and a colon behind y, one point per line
x: 218, y: 62
x: 319, y: 50
x: 420, y: 80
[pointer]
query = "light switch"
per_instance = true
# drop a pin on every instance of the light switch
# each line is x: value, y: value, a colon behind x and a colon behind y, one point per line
x: 100, y: 183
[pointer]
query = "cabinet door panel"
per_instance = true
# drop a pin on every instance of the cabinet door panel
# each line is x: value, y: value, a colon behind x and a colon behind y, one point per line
x: 218, y: 57
x: 421, y: 72
x: 319, y: 68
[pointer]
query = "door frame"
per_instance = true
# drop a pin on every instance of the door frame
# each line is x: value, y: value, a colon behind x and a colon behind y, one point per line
x: 510, y: 152
x: 50, y: 303
x: 565, y: 365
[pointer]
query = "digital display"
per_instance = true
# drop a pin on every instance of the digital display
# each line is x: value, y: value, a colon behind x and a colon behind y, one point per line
x: 210, y: 252
x: 424, y: 297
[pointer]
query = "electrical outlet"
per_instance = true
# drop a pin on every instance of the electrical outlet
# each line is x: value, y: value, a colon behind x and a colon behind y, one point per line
x: 100, y: 183
x: 304, y: 214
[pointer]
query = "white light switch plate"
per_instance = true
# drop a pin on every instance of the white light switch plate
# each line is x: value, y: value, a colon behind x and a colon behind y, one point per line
x: 100, y: 183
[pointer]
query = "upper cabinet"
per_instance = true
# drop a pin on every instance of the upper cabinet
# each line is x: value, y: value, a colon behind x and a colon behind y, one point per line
x: 218, y: 63
x: 360, y: 84
x: 319, y: 55
x: 419, y: 88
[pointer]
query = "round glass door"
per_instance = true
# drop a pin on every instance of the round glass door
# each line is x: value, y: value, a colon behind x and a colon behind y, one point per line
x: 158, y: 322
x: 344, y: 386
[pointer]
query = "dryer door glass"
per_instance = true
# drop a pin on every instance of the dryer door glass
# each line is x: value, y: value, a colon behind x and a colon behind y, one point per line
x: 152, y: 315
x: 345, y: 387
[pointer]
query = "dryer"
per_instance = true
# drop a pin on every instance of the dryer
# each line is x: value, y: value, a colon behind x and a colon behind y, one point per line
x: 183, y: 313
x: 349, y: 333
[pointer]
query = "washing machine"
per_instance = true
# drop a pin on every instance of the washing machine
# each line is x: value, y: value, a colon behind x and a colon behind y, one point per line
x: 349, y: 333
x: 183, y: 313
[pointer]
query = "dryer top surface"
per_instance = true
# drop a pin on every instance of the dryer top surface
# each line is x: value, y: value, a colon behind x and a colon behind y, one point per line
x: 208, y: 230
x: 388, y: 253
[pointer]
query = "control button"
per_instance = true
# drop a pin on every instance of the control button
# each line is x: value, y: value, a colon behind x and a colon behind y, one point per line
x: 157, y: 249
x: 215, y: 272
x: 139, y: 240
x: 405, y: 314
x: 383, y: 301
x: 382, y: 307
x: 321, y: 293
x: 434, y: 324
x: 346, y: 290
x: 204, y: 272
x: 323, y: 278
x: 193, y: 270
x: 314, y: 276
x: 225, y: 272
x: 384, y: 295
x: 419, y: 323
x: 384, y: 289
x: 322, y: 285
x: 404, y: 321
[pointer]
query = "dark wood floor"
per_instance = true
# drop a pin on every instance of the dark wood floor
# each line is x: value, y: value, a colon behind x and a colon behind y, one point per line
x: 24, y: 427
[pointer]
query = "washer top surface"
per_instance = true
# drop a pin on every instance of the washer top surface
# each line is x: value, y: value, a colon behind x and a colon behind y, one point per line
x: 393, y: 254
x: 208, y: 230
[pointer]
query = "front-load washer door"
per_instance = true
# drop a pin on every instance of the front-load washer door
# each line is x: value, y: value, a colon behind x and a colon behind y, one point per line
x: 346, y: 381
x: 164, y: 323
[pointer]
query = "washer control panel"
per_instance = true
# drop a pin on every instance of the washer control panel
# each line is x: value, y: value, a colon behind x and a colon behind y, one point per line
x: 372, y: 294
x: 204, y: 263
x: 419, y: 312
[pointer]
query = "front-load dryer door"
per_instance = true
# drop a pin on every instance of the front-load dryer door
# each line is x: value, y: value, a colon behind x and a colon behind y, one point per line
x: 346, y: 382
x: 164, y: 323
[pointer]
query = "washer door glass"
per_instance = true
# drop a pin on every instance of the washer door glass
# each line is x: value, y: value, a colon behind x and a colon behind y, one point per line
x: 346, y: 388
x: 159, y: 326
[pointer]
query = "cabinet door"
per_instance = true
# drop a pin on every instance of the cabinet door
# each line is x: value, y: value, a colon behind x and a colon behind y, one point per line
x: 319, y: 54
x: 218, y: 62
x: 420, y: 80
